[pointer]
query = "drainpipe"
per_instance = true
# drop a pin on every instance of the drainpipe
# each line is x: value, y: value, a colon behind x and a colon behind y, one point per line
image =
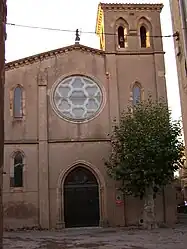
x: 183, y: 15
x: 3, y: 14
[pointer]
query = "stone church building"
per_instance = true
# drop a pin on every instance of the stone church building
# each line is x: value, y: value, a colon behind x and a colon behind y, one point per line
x: 59, y: 111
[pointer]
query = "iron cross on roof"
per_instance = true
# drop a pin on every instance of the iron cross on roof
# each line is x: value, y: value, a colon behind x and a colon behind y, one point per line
x: 77, y: 36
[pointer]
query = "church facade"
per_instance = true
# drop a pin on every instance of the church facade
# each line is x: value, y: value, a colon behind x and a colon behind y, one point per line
x: 59, y: 111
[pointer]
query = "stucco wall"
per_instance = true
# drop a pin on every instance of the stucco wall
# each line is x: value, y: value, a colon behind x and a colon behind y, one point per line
x: 21, y: 204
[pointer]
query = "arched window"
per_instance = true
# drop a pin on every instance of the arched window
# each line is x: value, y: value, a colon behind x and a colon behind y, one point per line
x: 136, y: 94
x: 143, y: 37
x: 121, y: 37
x: 121, y: 29
x: 17, y: 104
x: 16, y: 178
x: 145, y: 31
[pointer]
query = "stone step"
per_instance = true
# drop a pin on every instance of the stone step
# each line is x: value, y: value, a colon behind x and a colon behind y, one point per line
x: 182, y: 218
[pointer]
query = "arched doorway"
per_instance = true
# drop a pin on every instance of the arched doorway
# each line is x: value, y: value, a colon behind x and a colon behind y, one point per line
x: 81, y: 199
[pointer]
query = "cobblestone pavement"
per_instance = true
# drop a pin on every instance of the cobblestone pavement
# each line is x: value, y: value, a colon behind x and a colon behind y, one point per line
x: 98, y: 238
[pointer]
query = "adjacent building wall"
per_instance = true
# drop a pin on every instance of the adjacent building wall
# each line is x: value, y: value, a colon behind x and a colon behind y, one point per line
x: 179, y: 17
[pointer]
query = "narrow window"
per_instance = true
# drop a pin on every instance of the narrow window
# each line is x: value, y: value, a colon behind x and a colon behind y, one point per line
x: 102, y: 34
x: 16, y: 180
x: 18, y: 111
x: 186, y: 68
x: 143, y: 37
x: 136, y: 94
x: 102, y: 38
x: 121, y: 38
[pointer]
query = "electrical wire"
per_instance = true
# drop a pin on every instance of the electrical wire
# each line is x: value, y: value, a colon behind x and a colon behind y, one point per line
x: 84, y: 32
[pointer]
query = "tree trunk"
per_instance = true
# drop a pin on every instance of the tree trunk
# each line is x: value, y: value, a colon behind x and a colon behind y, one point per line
x: 149, y: 210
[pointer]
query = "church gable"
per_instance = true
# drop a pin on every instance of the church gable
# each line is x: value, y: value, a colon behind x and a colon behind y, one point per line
x: 46, y: 55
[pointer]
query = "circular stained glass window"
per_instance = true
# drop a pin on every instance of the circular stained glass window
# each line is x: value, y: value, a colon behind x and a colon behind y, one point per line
x: 77, y: 98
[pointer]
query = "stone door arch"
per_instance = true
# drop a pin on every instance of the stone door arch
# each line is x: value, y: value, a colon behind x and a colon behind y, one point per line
x: 61, y: 190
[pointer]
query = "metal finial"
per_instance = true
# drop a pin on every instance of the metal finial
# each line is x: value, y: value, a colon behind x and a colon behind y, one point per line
x: 77, y: 37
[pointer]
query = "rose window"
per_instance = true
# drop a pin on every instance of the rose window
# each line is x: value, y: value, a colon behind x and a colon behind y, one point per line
x: 77, y: 98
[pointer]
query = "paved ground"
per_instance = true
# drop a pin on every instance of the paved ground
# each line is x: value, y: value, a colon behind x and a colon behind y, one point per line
x: 98, y: 238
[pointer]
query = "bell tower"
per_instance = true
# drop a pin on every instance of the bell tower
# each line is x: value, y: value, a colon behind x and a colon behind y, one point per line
x: 130, y: 35
x: 129, y: 27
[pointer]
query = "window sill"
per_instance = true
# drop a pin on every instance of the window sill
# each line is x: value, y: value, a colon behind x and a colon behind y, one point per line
x: 16, y: 189
x: 146, y: 48
x: 134, y: 50
x: 17, y: 118
x: 122, y: 49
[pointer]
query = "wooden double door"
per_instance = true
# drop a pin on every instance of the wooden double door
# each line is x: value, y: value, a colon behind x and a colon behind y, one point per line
x: 81, y: 199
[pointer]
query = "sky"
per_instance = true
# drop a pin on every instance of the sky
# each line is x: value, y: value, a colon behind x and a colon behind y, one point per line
x: 70, y: 15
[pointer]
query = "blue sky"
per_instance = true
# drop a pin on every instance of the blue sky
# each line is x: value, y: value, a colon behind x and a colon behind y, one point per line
x: 70, y: 15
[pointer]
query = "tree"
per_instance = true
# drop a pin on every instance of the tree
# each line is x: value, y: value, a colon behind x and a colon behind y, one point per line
x: 147, y: 149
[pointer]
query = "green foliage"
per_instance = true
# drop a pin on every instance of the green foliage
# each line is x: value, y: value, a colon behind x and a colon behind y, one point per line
x: 146, y: 148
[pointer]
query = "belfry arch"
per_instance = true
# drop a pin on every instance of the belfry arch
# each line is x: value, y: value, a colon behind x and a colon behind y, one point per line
x: 94, y: 182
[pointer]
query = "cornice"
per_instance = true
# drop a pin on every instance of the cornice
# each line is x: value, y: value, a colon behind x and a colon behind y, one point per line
x: 20, y: 142
x: 136, y: 52
x: 46, y: 55
x: 131, y: 6
x: 86, y: 140
x: 82, y: 140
